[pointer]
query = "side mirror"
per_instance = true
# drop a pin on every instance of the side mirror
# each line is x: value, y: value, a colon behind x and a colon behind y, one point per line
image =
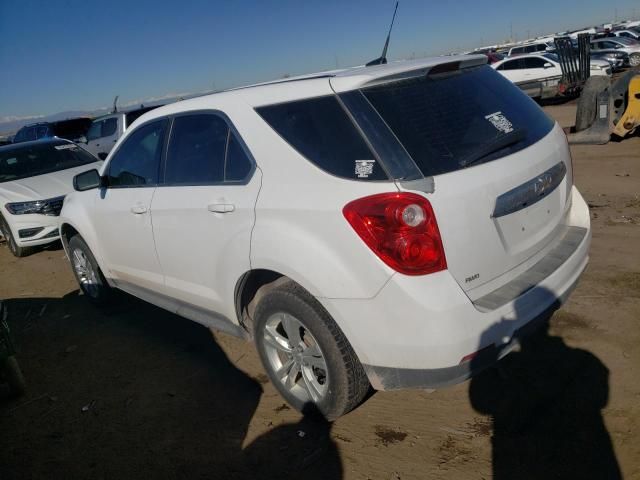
x: 88, y: 181
x: 548, y: 65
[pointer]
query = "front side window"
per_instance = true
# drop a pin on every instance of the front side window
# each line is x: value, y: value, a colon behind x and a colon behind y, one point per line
x: 448, y: 122
x: 137, y: 161
x: 320, y: 130
x: 511, y: 65
x: 41, y: 132
x: 31, y: 134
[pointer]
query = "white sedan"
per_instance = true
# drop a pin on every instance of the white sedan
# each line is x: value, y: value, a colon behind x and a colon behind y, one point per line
x: 536, y: 72
x: 34, y: 178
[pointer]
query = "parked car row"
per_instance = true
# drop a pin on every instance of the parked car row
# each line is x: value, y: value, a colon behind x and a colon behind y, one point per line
x: 97, y: 136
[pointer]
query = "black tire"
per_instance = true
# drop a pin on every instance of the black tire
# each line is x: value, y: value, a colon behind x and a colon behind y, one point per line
x: 11, y: 242
x: 348, y: 384
x: 99, y: 291
x: 13, y: 376
x: 588, y: 102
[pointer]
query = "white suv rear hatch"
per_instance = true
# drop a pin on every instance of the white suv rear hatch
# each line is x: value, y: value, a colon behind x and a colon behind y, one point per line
x: 500, y: 170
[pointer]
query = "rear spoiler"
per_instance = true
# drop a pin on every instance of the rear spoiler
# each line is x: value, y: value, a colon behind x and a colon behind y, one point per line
x: 455, y: 64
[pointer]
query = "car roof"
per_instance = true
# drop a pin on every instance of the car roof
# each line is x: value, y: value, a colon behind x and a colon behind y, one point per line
x: 526, y: 55
x: 311, y: 85
x: 42, y: 141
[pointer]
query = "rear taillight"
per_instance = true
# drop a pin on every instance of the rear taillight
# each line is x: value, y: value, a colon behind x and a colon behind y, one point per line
x: 401, y: 229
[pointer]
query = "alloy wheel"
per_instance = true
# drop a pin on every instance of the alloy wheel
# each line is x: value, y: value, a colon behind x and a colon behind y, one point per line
x: 85, y: 272
x: 295, y: 358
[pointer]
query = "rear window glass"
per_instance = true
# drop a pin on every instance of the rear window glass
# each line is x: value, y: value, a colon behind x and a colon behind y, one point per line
x: 456, y: 120
x: 320, y: 130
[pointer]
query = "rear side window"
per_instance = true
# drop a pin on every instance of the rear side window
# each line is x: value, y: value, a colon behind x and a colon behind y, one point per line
x: 204, y: 150
x: 320, y: 130
x: 137, y: 161
x: 511, y: 65
x: 532, y: 62
x: 109, y: 127
x: 452, y: 121
x: 95, y: 130
x: 196, y: 150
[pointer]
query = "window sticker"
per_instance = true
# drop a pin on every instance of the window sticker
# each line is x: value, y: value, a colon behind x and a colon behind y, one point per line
x: 364, y: 168
x: 501, y: 122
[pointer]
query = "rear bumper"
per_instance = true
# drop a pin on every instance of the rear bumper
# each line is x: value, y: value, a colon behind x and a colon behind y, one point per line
x: 419, y: 332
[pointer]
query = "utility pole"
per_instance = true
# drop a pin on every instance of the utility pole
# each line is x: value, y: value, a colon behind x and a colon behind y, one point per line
x: 511, y: 31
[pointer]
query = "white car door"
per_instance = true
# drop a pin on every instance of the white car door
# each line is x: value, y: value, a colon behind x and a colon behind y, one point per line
x: 203, y: 213
x: 123, y: 209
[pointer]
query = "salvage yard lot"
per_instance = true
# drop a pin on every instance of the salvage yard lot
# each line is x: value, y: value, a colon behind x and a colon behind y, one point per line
x: 137, y: 391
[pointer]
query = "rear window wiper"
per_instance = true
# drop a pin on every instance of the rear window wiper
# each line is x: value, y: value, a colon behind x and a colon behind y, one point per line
x: 498, y: 144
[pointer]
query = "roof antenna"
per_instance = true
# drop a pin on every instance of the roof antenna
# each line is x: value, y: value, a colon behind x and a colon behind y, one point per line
x: 115, y: 104
x: 383, y: 58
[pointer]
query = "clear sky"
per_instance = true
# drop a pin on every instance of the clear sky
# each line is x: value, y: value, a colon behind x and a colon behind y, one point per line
x: 58, y: 55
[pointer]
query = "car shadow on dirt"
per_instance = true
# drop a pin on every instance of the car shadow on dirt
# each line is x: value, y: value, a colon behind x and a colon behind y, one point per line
x: 138, y: 391
x: 545, y: 401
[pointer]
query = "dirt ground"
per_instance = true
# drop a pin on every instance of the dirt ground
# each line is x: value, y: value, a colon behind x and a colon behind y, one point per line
x: 139, y: 392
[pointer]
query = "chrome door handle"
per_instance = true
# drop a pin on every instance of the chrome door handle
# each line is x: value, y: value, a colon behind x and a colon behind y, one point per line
x: 139, y: 209
x: 221, y: 207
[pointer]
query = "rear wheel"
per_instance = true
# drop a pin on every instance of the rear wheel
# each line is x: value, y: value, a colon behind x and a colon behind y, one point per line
x: 634, y: 59
x: 306, y: 355
x: 87, y: 272
x: 11, y: 241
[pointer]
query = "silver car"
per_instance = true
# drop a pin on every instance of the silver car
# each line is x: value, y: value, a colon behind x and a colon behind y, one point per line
x: 619, y: 44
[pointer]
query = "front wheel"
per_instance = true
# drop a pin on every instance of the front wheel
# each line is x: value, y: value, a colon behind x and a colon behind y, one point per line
x: 87, y: 272
x: 634, y: 59
x: 306, y: 355
x: 11, y: 241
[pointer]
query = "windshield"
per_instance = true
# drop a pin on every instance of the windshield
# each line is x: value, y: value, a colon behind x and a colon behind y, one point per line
x: 451, y: 121
x: 29, y: 161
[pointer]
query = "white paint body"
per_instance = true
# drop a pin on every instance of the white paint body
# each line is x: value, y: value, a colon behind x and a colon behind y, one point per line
x: 101, y: 145
x: 289, y: 219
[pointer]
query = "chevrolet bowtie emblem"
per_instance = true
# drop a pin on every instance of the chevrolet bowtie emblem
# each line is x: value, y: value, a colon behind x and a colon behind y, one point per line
x: 542, y: 183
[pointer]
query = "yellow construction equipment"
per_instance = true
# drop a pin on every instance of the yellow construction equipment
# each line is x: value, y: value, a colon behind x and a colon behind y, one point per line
x: 608, y: 108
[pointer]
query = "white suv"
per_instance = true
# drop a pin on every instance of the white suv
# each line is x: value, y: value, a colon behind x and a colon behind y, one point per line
x: 377, y: 226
